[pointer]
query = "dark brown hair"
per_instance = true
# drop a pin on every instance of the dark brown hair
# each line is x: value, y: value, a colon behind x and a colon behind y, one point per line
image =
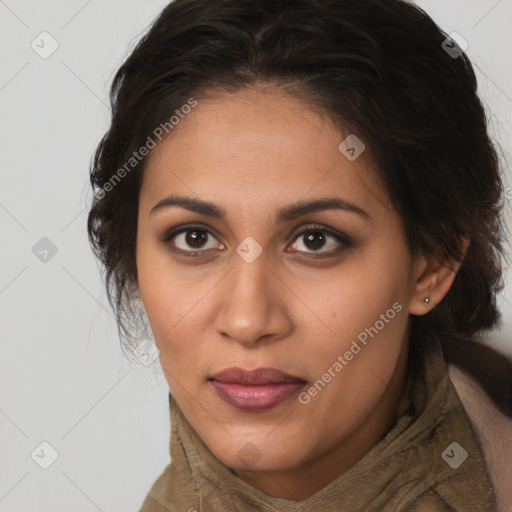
x: 382, y: 68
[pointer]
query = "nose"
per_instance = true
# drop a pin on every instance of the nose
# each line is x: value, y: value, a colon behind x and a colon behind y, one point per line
x: 253, y: 304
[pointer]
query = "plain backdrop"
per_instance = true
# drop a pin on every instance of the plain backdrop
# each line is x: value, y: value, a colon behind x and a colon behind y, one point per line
x: 64, y: 382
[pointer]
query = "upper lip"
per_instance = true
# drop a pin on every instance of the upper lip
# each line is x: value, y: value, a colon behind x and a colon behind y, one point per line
x: 258, y: 376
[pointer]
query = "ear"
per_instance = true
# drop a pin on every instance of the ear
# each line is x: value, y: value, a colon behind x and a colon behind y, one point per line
x: 433, y: 282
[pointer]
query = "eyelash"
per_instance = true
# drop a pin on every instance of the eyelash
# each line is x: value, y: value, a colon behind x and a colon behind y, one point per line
x: 341, y: 238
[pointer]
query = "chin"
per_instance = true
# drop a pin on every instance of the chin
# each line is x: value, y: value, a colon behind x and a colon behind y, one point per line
x: 253, y: 456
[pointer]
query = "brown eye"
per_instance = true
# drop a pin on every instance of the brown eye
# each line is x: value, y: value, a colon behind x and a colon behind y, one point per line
x: 193, y: 240
x: 315, y: 238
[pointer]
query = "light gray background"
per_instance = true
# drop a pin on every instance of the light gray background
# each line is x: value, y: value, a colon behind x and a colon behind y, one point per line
x: 63, y: 378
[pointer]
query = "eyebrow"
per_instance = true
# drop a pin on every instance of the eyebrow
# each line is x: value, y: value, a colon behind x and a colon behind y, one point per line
x: 285, y: 213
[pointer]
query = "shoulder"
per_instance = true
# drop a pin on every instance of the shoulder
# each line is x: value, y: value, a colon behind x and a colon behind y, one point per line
x: 493, y: 429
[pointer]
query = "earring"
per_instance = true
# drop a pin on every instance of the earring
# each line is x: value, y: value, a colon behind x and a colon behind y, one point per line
x: 427, y: 302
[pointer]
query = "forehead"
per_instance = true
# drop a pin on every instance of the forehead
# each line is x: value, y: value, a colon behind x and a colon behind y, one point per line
x: 262, y: 148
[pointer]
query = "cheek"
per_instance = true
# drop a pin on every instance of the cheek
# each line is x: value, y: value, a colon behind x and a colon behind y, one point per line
x: 368, y: 335
x: 367, y: 287
x: 365, y: 308
x: 161, y: 288
x: 175, y: 302
x: 351, y: 373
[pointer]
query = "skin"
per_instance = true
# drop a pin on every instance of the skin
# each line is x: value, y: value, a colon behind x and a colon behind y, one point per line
x: 251, y: 153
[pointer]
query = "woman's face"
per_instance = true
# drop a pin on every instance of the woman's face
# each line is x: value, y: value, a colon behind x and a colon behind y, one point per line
x: 241, y: 287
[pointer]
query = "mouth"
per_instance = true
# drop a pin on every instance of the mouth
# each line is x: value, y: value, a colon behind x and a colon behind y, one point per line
x: 255, y: 390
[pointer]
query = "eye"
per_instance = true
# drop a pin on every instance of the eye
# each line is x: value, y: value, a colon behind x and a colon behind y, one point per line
x: 318, y: 237
x: 191, y: 240
x: 195, y: 240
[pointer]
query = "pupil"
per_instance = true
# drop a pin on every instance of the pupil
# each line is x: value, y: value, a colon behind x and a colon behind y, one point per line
x: 194, y: 238
x: 313, y: 239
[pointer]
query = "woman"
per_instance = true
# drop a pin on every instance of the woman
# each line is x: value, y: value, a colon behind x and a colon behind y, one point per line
x: 304, y: 198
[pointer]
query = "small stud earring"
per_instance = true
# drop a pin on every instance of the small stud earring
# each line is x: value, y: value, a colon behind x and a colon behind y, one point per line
x: 427, y: 301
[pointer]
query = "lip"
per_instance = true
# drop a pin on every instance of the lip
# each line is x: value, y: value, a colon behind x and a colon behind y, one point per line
x: 255, y: 390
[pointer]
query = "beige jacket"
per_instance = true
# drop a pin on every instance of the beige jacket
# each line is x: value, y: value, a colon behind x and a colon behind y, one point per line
x: 494, y: 432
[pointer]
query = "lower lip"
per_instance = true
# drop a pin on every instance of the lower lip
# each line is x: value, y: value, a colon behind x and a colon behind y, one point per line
x: 256, y: 398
